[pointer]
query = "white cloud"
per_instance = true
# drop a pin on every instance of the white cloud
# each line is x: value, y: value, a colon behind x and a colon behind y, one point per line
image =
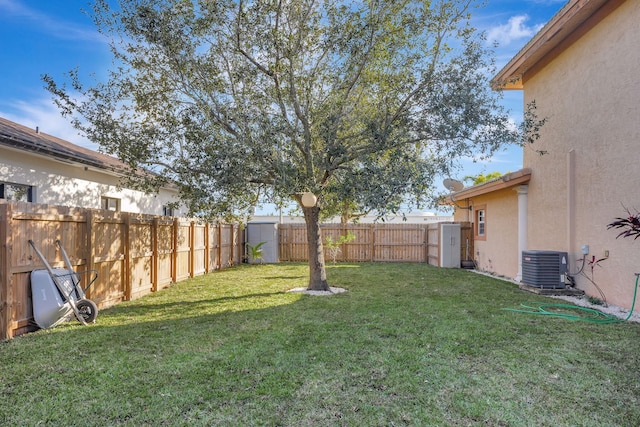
x: 12, y: 7
x: 53, y: 26
x: 513, y: 30
x: 46, y: 116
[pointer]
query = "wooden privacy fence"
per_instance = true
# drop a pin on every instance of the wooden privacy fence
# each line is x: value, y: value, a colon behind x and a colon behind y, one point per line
x: 373, y: 242
x: 133, y: 254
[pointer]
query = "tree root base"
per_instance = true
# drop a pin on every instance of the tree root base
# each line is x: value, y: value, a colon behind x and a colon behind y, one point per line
x: 332, y: 291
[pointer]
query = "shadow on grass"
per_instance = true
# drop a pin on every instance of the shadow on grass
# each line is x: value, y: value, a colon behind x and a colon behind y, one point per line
x: 177, y: 309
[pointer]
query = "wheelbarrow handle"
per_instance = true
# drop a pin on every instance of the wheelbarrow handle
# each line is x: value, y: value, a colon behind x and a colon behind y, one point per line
x: 93, y: 278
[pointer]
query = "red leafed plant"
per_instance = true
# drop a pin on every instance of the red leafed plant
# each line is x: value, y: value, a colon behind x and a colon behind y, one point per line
x: 630, y: 225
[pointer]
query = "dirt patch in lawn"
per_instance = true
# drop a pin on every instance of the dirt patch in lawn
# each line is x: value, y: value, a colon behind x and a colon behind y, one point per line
x: 331, y: 291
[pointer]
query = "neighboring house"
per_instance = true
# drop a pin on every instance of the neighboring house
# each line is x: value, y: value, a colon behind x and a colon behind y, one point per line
x: 40, y: 168
x: 582, y: 71
x: 409, y: 218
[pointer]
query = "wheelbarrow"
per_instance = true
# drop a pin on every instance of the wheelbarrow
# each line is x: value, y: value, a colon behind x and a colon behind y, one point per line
x: 57, y: 295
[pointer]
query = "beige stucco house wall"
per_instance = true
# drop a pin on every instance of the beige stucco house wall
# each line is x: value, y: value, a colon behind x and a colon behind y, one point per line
x: 583, y: 71
x: 500, y: 205
x: 497, y: 250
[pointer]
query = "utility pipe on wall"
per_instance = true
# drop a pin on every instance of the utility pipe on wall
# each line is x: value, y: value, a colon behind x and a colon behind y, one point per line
x: 523, y: 191
x: 571, y: 201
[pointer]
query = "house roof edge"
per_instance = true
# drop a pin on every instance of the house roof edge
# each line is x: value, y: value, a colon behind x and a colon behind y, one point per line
x: 508, y: 180
x: 574, y: 19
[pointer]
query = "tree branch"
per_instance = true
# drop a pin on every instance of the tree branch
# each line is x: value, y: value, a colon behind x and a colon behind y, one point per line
x: 239, y: 43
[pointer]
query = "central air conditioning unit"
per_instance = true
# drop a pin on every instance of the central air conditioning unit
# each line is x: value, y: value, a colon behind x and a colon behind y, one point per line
x: 544, y: 269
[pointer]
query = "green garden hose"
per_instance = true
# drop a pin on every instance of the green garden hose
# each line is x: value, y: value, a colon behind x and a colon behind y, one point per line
x: 594, y: 316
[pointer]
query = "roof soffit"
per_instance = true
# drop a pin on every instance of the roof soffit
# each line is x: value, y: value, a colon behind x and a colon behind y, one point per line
x: 575, y: 19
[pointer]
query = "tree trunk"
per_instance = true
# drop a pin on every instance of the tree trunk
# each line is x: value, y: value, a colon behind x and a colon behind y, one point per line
x: 317, y: 273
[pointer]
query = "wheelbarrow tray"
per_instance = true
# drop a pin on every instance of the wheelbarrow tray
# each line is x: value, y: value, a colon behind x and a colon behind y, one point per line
x: 50, y: 308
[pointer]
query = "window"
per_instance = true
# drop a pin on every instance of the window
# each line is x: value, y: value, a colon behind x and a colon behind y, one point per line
x: 480, y: 222
x: 16, y: 192
x: 111, y: 204
x: 167, y: 210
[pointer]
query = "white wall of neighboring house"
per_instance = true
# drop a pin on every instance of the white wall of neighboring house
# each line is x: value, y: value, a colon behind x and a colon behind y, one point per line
x: 591, y: 96
x: 72, y: 184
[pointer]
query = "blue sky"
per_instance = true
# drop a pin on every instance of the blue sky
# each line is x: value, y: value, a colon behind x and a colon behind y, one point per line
x: 52, y: 37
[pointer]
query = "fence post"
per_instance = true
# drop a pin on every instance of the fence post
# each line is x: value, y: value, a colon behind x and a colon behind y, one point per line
x: 232, y: 250
x: 206, y: 247
x: 192, y: 248
x: 242, y: 241
x: 343, y: 249
x: 126, y: 247
x: 425, y: 243
x: 437, y: 243
x: 372, y: 230
x: 174, y: 261
x: 154, y: 257
x: 6, y: 277
x: 236, y: 244
x: 219, y: 246
x: 90, y: 261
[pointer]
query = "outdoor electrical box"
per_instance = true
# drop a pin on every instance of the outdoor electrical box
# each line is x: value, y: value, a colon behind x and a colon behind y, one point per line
x: 266, y: 232
x: 545, y: 269
x: 450, y: 245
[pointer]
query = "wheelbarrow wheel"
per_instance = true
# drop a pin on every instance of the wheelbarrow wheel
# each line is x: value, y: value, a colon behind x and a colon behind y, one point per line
x: 88, y: 310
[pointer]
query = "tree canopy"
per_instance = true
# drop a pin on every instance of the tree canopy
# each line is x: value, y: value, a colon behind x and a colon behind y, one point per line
x: 482, y: 178
x: 363, y: 103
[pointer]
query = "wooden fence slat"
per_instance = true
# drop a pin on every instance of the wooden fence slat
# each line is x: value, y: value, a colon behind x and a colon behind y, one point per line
x: 127, y: 256
x: 207, y: 245
x: 466, y: 237
x: 90, y: 247
x: 433, y: 242
x: 174, y: 255
x: 373, y: 243
x: 6, y: 297
x: 192, y: 243
x: 154, y: 255
x: 165, y: 253
x: 141, y: 255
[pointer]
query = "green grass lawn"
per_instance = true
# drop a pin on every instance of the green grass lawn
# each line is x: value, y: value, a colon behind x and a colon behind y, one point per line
x: 408, y: 344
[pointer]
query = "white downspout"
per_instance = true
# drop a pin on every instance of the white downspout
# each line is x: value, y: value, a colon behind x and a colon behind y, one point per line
x: 522, y: 190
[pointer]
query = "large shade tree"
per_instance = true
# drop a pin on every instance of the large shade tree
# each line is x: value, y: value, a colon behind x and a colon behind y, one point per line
x: 362, y: 103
